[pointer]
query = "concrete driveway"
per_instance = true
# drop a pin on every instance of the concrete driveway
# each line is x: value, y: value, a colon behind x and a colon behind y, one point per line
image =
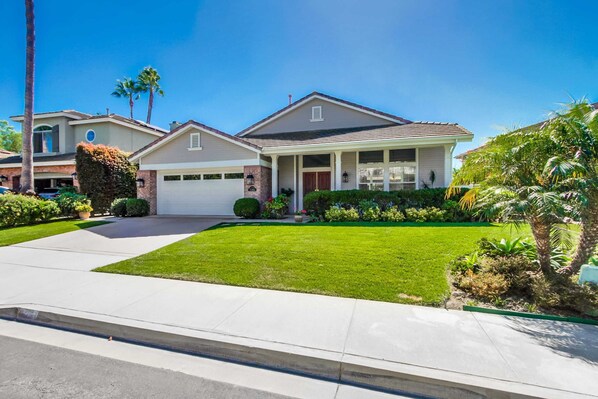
x: 102, y: 245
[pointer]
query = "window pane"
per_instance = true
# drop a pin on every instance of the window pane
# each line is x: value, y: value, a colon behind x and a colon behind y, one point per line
x: 234, y: 176
x: 172, y: 177
x: 371, y: 156
x: 212, y: 176
x: 371, y: 179
x: 191, y: 177
x: 37, y: 143
x: 316, y: 161
x: 404, y: 155
x: 401, y: 178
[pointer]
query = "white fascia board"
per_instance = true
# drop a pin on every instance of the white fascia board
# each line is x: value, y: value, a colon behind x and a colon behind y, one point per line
x: 315, y: 96
x: 48, y: 163
x: 185, y: 129
x: 20, y: 118
x: 110, y: 120
x: 204, y: 165
x: 366, y: 144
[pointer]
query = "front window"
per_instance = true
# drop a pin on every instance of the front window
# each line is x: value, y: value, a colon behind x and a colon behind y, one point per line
x: 371, y: 179
x: 316, y: 161
x: 402, y: 178
x: 399, y: 165
x: 45, y: 139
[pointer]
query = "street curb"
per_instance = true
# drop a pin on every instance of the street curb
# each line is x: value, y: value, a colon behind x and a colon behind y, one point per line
x: 345, y: 369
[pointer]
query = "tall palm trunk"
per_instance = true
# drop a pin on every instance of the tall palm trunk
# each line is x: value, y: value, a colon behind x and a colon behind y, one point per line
x: 541, y: 233
x: 131, y: 104
x: 588, y: 236
x: 150, y: 105
x: 27, y: 153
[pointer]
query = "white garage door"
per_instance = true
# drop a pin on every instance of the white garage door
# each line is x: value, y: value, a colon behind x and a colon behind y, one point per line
x: 199, y: 193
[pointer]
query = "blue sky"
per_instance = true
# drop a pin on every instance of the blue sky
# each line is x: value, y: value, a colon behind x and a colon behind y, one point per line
x: 484, y: 64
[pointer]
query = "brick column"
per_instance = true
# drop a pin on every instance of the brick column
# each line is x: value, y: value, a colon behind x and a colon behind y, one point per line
x: 149, y: 190
x: 262, y: 183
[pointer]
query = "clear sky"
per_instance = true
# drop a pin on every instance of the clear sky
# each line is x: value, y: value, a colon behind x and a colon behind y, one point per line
x: 484, y: 64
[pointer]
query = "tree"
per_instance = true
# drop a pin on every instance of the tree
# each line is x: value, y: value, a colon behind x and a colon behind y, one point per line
x: 10, y: 139
x: 27, y: 152
x: 573, y: 167
x: 510, y: 185
x: 127, y: 88
x: 149, y: 83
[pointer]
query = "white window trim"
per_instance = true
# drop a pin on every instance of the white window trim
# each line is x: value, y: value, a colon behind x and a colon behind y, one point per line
x: 313, y: 118
x: 191, y: 136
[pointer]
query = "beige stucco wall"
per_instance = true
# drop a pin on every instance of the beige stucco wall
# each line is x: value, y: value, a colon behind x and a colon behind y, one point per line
x: 431, y: 158
x: 335, y: 117
x: 349, y: 165
x: 286, y: 176
x: 213, y: 149
x: 126, y: 139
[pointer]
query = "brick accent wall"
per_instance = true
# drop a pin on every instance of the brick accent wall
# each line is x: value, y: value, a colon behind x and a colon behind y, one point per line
x: 150, y: 189
x: 11, y: 173
x: 262, y: 182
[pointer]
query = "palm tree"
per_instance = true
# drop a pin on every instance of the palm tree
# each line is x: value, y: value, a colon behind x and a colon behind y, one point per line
x: 149, y: 82
x: 27, y: 153
x: 127, y: 88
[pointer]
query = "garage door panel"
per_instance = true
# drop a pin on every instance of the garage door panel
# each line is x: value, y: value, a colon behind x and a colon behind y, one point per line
x: 198, y: 197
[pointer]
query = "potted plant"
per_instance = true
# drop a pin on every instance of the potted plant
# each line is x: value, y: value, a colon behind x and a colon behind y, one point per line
x: 84, y: 210
x: 299, y: 215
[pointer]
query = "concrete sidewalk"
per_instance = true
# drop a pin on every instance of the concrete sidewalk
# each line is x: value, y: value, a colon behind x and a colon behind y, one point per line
x: 453, y: 345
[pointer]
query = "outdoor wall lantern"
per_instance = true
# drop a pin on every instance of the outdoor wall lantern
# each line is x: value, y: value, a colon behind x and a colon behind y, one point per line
x: 249, y: 179
x: 140, y: 183
x: 3, y: 178
x: 74, y: 175
x: 345, y: 177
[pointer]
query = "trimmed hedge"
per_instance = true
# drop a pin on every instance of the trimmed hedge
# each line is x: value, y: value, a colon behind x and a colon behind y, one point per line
x: 119, y: 207
x: 104, y: 174
x: 68, y: 199
x: 17, y: 209
x: 247, y: 208
x: 318, y: 202
x: 137, y: 207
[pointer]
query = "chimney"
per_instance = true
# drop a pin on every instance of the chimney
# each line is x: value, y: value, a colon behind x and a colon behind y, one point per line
x: 290, y: 99
x: 107, y: 111
x: 174, y: 124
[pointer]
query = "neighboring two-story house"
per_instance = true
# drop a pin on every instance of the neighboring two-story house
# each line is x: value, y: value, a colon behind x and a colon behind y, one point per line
x: 55, y: 138
x: 317, y: 143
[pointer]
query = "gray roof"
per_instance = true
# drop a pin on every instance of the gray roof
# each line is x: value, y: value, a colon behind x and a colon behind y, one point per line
x: 41, y: 158
x: 412, y: 130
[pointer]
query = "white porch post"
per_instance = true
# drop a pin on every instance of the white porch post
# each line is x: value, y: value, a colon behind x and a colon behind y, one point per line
x: 338, y: 170
x: 274, y: 175
x: 386, y: 158
x: 448, y: 164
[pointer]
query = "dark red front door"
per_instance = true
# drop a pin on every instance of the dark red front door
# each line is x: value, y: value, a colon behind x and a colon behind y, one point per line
x: 313, y: 181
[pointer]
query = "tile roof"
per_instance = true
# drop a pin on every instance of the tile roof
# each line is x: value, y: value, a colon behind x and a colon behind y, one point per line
x: 4, y: 153
x: 82, y: 115
x: 315, y: 93
x: 41, y: 158
x: 129, y: 121
x: 370, y: 133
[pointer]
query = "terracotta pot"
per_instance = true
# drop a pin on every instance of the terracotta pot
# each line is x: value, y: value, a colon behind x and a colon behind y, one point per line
x: 84, y: 215
x: 299, y: 218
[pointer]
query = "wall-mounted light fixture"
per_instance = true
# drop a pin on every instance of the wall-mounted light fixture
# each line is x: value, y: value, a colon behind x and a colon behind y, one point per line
x: 345, y: 177
x: 74, y: 175
x: 3, y: 178
x: 140, y: 183
x: 249, y: 180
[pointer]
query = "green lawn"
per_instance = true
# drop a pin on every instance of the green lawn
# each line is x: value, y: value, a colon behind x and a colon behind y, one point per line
x: 385, y: 262
x: 15, y: 235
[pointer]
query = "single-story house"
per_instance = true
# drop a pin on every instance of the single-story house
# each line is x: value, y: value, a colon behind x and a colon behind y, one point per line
x: 316, y: 143
x: 55, y: 138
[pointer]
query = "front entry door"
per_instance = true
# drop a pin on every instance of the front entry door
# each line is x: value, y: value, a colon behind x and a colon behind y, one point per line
x: 313, y: 181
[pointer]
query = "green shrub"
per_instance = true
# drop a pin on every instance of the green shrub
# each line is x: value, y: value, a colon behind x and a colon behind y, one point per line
x: 119, y: 207
x: 464, y: 264
x: 16, y: 209
x: 392, y: 214
x: 371, y: 215
x: 431, y: 214
x: 68, y: 200
x: 104, y: 173
x: 484, y: 285
x: 137, y: 207
x: 276, y: 208
x: 517, y: 270
x: 318, y: 202
x: 338, y: 214
x: 247, y: 208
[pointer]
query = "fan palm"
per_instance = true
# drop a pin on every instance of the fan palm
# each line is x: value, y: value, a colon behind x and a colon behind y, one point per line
x: 149, y: 83
x: 127, y: 88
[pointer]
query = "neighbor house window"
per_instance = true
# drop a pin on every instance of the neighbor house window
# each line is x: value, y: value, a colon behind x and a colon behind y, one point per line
x: 234, y: 176
x: 172, y: 178
x: 90, y: 136
x: 45, y: 139
x: 194, y: 141
x: 316, y: 114
x: 212, y: 176
x: 316, y: 161
x: 191, y: 177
